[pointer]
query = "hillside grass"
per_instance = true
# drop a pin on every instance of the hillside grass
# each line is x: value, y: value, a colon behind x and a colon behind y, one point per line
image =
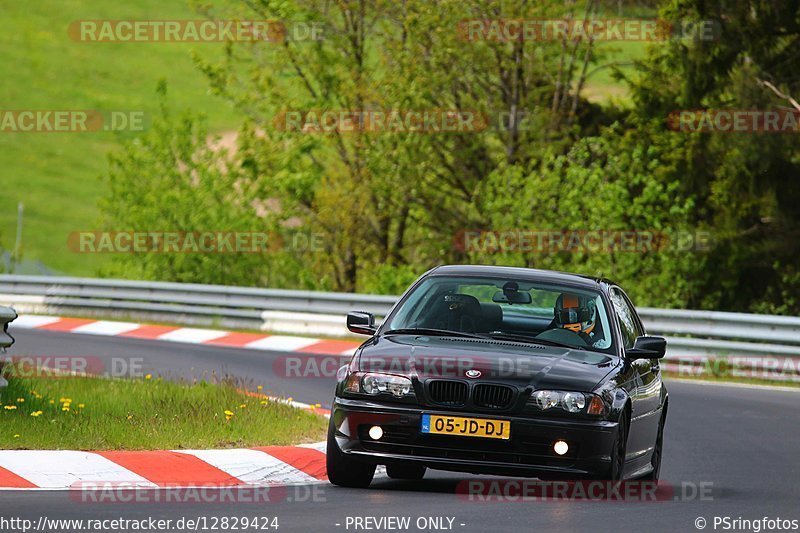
x: 57, y: 175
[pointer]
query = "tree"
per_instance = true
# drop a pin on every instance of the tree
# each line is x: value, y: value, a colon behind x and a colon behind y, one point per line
x: 744, y: 184
x: 386, y: 200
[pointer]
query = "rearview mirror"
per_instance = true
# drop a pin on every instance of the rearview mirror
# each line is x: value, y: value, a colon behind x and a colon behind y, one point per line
x: 511, y: 295
x: 647, y: 348
x: 361, y: 322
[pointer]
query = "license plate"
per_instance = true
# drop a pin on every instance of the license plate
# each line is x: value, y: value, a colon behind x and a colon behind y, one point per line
x: 466, y: 427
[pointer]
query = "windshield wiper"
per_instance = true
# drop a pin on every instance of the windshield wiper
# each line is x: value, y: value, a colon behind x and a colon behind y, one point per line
x: 433, y: 332
x: 499, y: 335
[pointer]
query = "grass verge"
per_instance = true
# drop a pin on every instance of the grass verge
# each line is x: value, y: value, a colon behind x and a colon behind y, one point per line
x: 91, y: 413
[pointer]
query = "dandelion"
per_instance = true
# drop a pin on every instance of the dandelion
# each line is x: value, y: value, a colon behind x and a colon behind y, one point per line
x: 243, y: 406
x: 65, y: 400
x: 9, y: 407
x: 16, y: 436
x: 260, y: 387
x: 263, y: 402
x: 81, y: 406
x: 65, y: 408
x: 228, y: 414
x: 130, y: 416
x: 20, y: 400
x: 148, y: 376
x: 36, y: 413
x: 52, y: 401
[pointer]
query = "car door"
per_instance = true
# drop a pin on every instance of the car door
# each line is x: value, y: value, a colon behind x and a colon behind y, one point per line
x: 646, y: 395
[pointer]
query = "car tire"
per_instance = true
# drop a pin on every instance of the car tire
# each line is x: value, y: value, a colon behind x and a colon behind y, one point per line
x: 658, y: 451
x: 406, y: 471
x: 616, y: 469
x: 342, y: 470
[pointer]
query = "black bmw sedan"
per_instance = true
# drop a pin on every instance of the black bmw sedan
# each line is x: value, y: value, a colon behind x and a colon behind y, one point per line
x: 499, y: 370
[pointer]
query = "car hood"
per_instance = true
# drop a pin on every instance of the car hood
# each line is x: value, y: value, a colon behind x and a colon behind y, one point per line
x: 513, y: 363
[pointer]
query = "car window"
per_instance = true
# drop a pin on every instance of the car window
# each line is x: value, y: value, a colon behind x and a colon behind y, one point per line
x: 627, y: 318
x: 481, y: 305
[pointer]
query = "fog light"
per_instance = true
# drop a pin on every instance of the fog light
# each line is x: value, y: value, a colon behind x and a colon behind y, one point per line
x: 560, y: 447
x: 375, y: 432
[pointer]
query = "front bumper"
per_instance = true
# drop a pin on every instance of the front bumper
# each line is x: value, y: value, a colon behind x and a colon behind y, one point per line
x: 529, y: 451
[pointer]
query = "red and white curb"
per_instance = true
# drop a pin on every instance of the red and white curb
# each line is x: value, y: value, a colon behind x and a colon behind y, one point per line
x: 212, y: 337
x: 64, y: 469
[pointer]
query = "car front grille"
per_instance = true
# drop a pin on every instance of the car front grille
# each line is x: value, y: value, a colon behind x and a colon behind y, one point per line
x: 450, y: 393
x: 492, y: 396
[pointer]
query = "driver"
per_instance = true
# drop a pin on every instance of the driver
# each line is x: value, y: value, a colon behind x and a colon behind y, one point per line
x: 579, y: 314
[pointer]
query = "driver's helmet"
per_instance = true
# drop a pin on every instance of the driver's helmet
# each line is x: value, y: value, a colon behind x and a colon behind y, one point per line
x: 575, y: 313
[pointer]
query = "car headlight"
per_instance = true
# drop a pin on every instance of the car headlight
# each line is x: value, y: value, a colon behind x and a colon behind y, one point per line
x: 545, y: 399
x: 571, y: 402
x: 374, y: 383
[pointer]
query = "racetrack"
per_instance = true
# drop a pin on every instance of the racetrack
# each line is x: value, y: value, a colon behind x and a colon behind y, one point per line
x: 735, y: 443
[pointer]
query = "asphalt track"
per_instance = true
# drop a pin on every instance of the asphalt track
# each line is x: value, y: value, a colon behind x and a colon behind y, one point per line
x: 729, y: 452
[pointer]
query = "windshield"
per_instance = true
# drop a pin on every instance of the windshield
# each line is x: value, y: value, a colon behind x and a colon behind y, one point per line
x: 503, y: 307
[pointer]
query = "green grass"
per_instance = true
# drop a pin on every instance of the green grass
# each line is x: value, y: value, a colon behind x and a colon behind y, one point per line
x: 92, y: 413
x: 56, y: 175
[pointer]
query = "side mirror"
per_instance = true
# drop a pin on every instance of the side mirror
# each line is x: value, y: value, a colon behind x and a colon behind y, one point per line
x: 361, y: 322
x: 7, y: 315
x: 647, y: 348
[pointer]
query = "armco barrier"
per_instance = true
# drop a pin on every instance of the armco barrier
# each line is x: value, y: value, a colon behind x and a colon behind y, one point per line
x: 287, y: 311
x: 691, y: 335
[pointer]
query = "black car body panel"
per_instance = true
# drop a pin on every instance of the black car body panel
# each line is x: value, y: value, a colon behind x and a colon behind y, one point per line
x: 630, y: 387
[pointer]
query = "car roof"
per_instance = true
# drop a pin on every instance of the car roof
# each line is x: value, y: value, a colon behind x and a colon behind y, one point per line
x: 530, y: 274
